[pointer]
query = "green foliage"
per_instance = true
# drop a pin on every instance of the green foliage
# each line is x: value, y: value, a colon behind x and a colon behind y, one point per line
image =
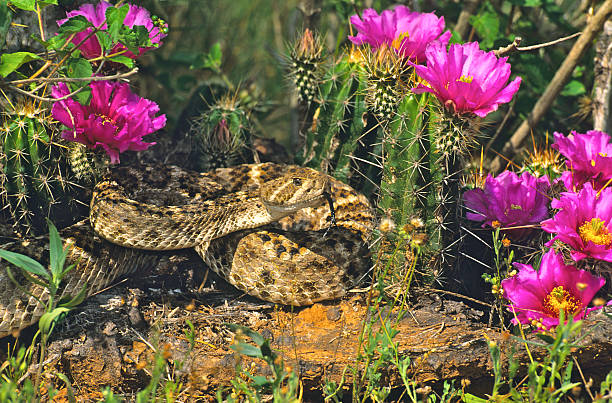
x: 48, y: 278
x: 12, y: 61
x: 15, y: 368
x: 549, y: 379
x: 495, y: 24
x: 284, y: 384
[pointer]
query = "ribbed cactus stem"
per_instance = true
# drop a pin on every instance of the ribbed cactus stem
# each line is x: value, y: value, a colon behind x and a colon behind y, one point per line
x: 403, y: 188
x: 33, y: 176
x: 452, y: 137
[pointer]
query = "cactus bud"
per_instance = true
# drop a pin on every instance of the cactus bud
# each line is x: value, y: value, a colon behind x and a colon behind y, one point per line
x: 221, y: 135
x: 305, y: 57
x: 385, y: 70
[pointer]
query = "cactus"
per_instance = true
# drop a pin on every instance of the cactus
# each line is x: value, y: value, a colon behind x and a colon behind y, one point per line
x: 86, y: 165
x: 368, y: 125
x: 33, y: 178
x: 305, y: 59
x: 221, y: 136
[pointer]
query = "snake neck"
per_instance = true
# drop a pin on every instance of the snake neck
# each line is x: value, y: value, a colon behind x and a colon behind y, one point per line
x: 133, y: 224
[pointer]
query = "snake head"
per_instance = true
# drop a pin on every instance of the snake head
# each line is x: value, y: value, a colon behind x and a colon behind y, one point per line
x: 297, y: 189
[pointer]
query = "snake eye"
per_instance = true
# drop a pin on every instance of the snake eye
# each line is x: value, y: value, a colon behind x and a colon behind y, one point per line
x: 297, y: 181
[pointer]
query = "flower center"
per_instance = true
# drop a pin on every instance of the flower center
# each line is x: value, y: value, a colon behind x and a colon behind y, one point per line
x: 105, y: 119
x: 558, y: 299
x: 397, y: 42
x: 601, y: 155
x: 465, y: 79
x: 596, y: 232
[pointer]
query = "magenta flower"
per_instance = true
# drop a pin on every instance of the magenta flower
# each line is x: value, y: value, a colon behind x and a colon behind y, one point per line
x: 115, y: 119
x: 408, y: 32
x: 589, y: 158
x: 584, y: 222
x: 510, y: 200
x: 466, y: 79
x: 97, y: 15
x: 537, y: 297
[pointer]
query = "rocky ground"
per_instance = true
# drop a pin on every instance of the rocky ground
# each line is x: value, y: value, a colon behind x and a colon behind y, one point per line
x: 112, y: 338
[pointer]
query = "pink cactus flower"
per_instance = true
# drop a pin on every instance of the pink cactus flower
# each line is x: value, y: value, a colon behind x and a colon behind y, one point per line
x: 96, y: 14
x: 584, y: 222
x: 408, y: 32
x: 537, y: 297
x: 511, y: 201
x: 115, y: 119
x: 466, y: 79
x: 589, y: 158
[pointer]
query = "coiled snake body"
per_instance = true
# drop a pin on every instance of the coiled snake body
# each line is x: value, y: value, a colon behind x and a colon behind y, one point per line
x: 264, y: 227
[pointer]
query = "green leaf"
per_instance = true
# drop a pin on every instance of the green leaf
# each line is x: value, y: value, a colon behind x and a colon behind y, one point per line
x: 546, y: 338
x: 5, y: 22
x: 45, y: 3
x: 48, y: 320
x: 28, y: 5
x: 105, y: 41
x: 573, y: 89
x: 82, y: 97
x: 486, y: 25
x: 247, y: 349
x: 469, y: 398
x: 135, y: 38
x: 76, y: 300
x: 260, y: 380
x: 74, y: 25
x: 69, y: 389
x: 78, y: 67
x: 527, y: 3
x: 26, y: 263
x: 114, y: 19
x: 56, y: 42
x: 12, y: 61
x: 126, y: 61
x: 57, y: 253
x: 212, y: 60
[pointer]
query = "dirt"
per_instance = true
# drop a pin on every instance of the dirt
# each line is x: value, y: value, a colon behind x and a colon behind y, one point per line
x: 112, y: 339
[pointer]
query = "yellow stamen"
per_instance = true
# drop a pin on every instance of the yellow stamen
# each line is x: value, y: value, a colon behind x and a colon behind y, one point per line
x: 595, y: 231
x: 592, y: 163
x: 558, y: 299
x: 465, y: 79
x: 397, y: 42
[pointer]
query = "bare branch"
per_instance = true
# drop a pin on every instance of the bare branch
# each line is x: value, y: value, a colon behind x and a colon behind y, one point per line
x: 74, y: 79
x: 559, y: 80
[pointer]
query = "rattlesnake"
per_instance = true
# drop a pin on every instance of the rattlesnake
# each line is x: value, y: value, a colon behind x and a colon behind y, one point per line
x: 264, y: 227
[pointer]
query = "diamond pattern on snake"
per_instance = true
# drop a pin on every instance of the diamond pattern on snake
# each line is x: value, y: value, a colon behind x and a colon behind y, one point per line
x: 266, y: 228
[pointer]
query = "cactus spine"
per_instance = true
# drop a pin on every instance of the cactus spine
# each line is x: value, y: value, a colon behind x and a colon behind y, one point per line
x: 33, y: 178
x: 305, y: 58
x: 368, y: 125
x: 221, y: 136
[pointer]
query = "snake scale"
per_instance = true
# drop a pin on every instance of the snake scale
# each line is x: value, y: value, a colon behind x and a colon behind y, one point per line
x: 266, y: 228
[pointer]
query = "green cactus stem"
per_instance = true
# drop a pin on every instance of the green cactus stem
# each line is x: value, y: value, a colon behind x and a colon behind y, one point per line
x: 34, y: 177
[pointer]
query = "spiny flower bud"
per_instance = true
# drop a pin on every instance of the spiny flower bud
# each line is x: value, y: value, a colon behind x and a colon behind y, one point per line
x: 221, y: 135
x: 306, y: 56
x: 384, y: 69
